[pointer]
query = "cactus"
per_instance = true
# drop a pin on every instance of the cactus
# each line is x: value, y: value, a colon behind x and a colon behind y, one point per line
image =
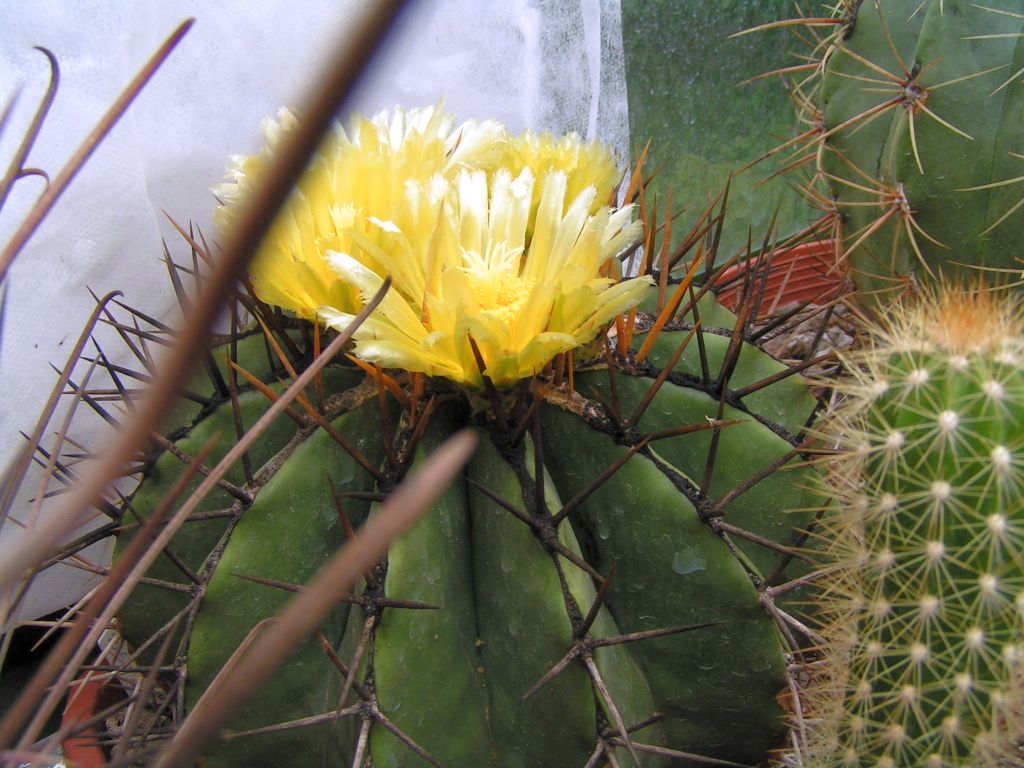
x: 924, y: 569
x: 596, y: 589
x: 911, y: 120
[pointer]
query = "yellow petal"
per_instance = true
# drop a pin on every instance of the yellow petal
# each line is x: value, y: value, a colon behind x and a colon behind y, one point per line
x: 549, y: 216
x: 392, y: 307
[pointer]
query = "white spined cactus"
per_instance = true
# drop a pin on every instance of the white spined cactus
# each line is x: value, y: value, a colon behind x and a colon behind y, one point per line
x: 925, y: 548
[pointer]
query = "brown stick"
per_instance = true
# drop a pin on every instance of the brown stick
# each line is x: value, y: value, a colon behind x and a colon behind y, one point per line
x: 12, y: 482
x: 72, y: 639
x: 20, y: 553
x: 185, y: 511
x: 54, y: 190
x: 302, y: 615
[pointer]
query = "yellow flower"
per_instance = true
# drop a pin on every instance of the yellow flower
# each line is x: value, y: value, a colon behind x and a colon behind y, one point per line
x: 504, y: 240
x: 468, y: 269
x: 585, y: 165
x: 354, y: 181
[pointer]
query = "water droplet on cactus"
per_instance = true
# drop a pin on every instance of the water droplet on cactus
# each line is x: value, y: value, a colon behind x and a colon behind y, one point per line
x: 688, y: 561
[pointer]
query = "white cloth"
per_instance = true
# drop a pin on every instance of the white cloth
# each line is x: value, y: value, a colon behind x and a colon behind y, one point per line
x: 539, y: 64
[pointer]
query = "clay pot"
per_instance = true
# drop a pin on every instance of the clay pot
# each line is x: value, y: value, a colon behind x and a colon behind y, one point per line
x: 806, y: 272
x: 83, y: 702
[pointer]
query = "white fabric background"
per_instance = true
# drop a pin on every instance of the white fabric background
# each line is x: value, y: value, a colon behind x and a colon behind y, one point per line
x: 540, y: 64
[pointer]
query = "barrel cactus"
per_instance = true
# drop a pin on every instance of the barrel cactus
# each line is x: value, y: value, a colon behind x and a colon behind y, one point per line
x: 925, y: 569
x: 911, y: 120
x: 599, y: 588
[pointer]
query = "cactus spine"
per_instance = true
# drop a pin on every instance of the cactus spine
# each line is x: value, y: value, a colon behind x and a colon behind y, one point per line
x: 924, y: 583
x: 912, y: 120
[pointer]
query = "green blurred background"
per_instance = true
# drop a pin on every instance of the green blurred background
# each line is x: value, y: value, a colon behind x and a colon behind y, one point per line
x: 682, y: 72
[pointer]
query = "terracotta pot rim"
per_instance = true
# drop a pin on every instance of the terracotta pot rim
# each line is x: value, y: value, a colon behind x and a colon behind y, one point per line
x: 84, y: 700
x: 801, y: 273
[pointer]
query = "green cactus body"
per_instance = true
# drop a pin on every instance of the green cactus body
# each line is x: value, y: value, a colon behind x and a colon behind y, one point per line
x: 918, y: 110
x: 473, y: 607
x: 193, y: 545
x: 925, y: 568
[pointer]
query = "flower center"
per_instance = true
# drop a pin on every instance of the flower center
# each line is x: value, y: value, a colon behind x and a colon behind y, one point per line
x: 501, y: 294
